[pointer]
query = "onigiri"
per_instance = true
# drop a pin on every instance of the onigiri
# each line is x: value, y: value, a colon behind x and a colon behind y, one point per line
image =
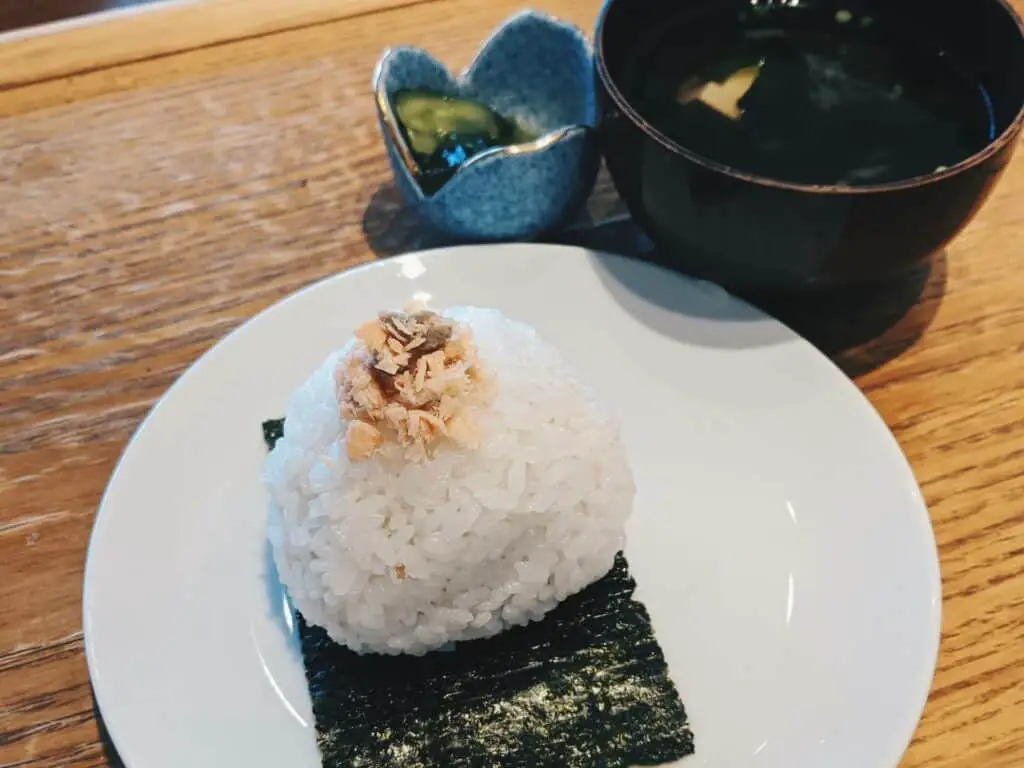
x: 442, y: 477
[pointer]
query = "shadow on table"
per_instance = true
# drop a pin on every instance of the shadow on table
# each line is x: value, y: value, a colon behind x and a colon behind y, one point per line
x: 109, y: 752
x: 861, y: 329
x: 391, y: 228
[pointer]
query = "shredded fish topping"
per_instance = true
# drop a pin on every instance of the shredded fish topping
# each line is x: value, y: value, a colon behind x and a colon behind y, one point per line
x: 413, y: 379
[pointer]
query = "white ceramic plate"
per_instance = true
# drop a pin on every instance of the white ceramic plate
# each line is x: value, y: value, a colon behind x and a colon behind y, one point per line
x: 779, y: 541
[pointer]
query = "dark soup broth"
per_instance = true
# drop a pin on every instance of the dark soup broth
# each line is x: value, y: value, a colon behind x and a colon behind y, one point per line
x: 809, y: 96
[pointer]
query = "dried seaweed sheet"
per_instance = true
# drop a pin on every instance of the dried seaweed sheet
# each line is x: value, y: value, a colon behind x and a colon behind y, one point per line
x: 586, y: 687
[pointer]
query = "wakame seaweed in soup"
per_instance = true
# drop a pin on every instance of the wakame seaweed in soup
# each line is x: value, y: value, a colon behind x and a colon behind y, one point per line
x: 586, y: 687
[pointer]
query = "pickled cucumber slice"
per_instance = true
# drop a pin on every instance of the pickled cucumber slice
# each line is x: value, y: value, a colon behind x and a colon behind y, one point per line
x: 423, y: 142
x: 416, y: 110
x: 420, y: 111
x: 444, y: 131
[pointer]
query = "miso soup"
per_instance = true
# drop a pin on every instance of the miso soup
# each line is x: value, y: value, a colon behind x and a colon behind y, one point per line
x: 809, y: 96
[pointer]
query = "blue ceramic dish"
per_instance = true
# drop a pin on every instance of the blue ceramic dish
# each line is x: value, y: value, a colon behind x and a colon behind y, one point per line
x: 533, y: 69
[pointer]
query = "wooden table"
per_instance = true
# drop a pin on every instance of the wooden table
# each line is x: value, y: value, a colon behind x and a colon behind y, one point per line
x: 151, y: 201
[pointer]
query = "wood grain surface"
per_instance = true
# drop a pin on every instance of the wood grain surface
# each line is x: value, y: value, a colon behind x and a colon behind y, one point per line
x: 131, y: 32
x: 151, y: 207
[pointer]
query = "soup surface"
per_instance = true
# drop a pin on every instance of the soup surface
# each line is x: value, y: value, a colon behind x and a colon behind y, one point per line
x: 808, y: 96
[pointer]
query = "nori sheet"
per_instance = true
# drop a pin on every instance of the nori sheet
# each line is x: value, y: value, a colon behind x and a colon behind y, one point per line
x: 586, y: 687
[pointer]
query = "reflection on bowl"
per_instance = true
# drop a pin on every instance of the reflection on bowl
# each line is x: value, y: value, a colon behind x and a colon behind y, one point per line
x: 534, y: 70
x: 705, y: 171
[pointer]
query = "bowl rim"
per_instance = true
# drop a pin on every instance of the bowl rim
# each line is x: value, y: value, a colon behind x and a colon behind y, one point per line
x: 992, y: 148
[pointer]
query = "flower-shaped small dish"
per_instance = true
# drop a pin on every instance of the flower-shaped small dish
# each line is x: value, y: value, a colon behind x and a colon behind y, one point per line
x: 534, y: 70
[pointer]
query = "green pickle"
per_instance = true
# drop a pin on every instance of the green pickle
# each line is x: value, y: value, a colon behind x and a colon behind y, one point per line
x: 443, y: 132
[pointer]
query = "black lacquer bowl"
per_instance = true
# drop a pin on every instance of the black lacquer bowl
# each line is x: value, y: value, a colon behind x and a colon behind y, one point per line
x: 760, y: 235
